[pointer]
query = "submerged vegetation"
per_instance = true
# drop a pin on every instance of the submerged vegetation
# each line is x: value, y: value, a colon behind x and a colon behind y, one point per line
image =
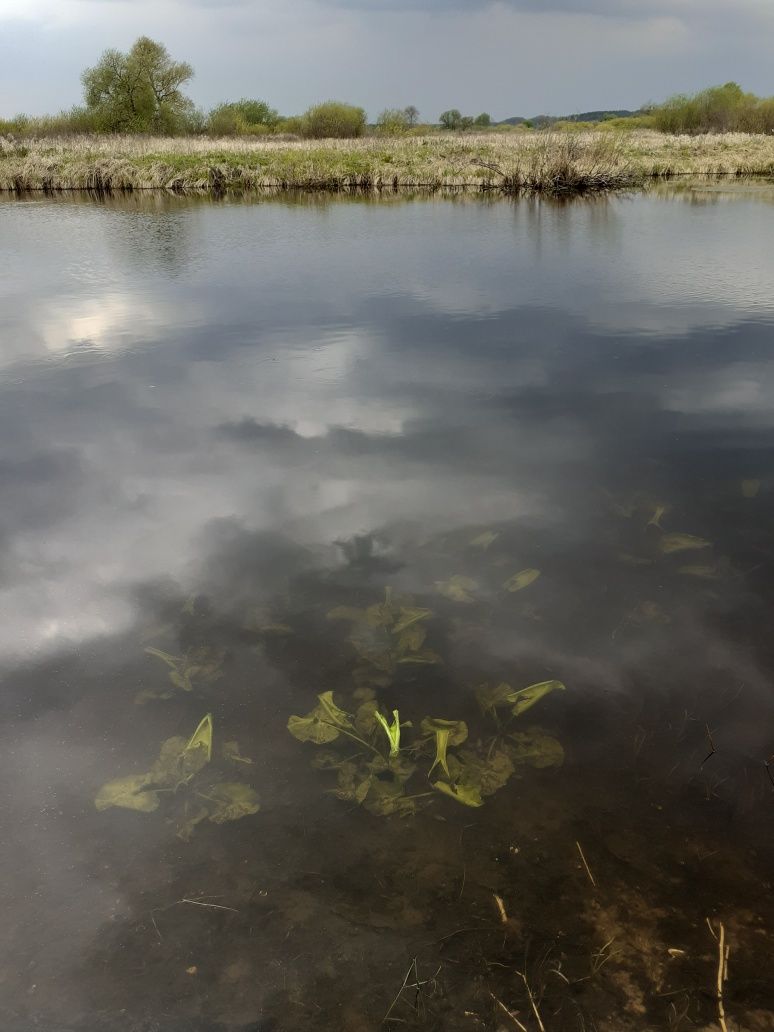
x: 183, y: 779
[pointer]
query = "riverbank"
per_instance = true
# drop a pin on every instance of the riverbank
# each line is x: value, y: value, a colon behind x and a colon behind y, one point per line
x: 553, y: 163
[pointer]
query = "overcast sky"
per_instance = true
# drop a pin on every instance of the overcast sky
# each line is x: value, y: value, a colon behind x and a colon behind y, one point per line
x: 509, y: 57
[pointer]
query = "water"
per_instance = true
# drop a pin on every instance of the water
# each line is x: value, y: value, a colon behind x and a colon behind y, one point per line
x: 220, y: 421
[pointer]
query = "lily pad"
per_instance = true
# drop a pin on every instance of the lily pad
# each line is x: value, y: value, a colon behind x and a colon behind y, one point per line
x: 457, y: 588
x: 682, y: 543
x: 521, y: 580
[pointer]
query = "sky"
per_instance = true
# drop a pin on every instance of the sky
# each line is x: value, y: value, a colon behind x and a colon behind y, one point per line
x: 510, y: 57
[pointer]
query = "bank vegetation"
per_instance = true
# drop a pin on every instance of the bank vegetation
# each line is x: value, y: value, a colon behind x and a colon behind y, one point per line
x: 547, y: 162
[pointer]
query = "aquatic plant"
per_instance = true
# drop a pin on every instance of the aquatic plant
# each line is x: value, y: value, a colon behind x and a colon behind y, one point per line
x: 182, y: 779
x: 387, y: 776
x: 387, y: 635
x: 198, y: 665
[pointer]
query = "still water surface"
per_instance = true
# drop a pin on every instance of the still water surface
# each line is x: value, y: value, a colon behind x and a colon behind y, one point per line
x: 230, y: 431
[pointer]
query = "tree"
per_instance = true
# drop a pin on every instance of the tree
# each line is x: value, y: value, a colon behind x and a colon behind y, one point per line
x: 334, y: 119
x: 412, y: 115
x: 483, y: 120
x: 139, y: 91
x: 451, y: 119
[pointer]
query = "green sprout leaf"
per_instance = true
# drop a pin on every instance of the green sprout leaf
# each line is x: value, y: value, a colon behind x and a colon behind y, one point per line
x: 391, y: 730
x: 521, y: 580
x: 201, y: 739
x: 446, y: 732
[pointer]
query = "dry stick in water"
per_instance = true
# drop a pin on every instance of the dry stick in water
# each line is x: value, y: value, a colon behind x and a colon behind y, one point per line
x: 535, y: 1011
x: 723, y: 952
x: 508, y: 1013
x: 588, y: 869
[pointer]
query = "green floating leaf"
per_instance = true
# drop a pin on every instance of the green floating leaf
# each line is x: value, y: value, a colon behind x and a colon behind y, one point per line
x: 535, y: 749
x: 457, y: 588
x: 527, y: 697
x: 682, y: 543
x: 521, y: 580
x: 130, y: 793
x: 750, y: 488
x: 483, y: 541
x: 465, y: 794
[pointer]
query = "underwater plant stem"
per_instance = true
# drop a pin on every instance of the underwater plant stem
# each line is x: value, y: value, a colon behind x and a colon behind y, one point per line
x: 508, y: 1013
x: 588, y: 869
x: 355, y: 737
x: 723, y: 952
x: 535, y: 1010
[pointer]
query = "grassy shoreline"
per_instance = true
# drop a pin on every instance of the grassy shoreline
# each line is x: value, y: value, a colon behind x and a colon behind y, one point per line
x: 554, y: 163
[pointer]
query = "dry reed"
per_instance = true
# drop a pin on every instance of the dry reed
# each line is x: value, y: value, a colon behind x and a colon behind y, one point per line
x: 554, y: 163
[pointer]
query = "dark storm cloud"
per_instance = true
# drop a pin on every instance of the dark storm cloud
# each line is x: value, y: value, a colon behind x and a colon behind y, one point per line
x: 622, y: 8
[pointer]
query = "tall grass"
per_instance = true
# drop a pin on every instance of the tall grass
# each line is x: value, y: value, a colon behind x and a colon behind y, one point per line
x: 538, y: 162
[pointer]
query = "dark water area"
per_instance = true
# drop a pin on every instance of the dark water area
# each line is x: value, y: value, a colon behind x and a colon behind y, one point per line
x: 256, y: 452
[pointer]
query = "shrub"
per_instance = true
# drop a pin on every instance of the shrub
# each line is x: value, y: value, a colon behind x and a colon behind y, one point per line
x: 392, y: 122
x: 334, y: 119
x: 242, y: 118
x: 719, y: 109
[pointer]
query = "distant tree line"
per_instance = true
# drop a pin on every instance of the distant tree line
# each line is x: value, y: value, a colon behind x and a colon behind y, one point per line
x: 141, y: 91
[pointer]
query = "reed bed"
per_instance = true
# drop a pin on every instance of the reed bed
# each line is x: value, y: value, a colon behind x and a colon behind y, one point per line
x: 554, y: 163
